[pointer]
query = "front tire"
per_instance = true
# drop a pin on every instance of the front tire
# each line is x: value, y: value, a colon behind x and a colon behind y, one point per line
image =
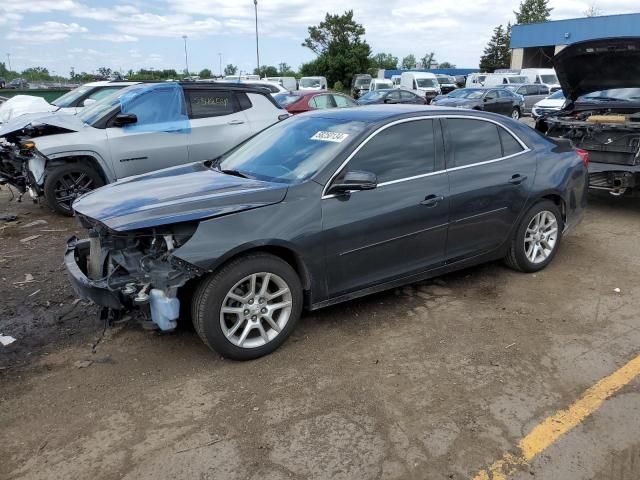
x: 537, y: 238
x: 67, y: 182
x: 515, y: 113
x: 249, y: 307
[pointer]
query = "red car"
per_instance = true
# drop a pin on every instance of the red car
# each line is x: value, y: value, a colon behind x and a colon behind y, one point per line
x: 298, y: 102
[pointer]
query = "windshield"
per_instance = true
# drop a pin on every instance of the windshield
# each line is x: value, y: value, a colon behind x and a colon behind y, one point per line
x: 382, y: 85
x: 371, y: 96
x: 286, y: 99
x: 310, y: 82
x: 291, y: 151
x: 512, y: 79
x: 559, y: 95
x: 549, y: 79
x: 445, y: 80
x: 458, y: 93
x: 427, y: 82
x: 470, y: 93
x: 360, y: 82
x: 95, y: 112
x: 613, y: 94
x: 69, y: 98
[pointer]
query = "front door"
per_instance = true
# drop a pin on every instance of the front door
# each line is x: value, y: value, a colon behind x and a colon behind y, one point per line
x: 491, y: 102
x: 159, y: 137
x: 398, y: 228
x: 490, y: 176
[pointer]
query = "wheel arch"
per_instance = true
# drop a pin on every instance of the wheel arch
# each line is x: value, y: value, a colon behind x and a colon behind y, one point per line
x: 557, y: 199
x: 77, y: 158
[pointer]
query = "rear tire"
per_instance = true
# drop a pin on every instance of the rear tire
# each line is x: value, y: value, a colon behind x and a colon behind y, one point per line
x: 535, y: 242
x: 515, y: 113
x: 67, y: 182
x: 257, y: 318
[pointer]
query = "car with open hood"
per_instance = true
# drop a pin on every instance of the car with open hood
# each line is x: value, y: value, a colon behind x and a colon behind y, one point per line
x: 601, y: 115
x: 324, y: 207
x: 138, y: 129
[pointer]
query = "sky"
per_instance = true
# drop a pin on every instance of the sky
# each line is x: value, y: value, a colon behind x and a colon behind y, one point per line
x: 132, y: 34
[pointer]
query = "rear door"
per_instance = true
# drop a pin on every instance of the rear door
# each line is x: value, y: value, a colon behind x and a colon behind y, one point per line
x: 408, y: 97
x: 394, y: 97
x: 492, y: 102
x: 490, y: 176
x: 398, y: 228
x: 157, y: 140
x: 217, y: 122
x: 505, y: 101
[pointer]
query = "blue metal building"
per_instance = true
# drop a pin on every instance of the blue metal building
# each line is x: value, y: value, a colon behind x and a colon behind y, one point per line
x: 533, y: 45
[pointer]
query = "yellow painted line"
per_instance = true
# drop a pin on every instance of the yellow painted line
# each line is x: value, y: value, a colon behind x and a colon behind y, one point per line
x: 553, y: 427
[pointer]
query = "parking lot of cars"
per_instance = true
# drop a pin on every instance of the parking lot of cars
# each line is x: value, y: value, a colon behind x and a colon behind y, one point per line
x: 355, y: 252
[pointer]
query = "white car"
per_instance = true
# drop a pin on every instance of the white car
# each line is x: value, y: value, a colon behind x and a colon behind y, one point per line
x: 424, y: 84
x: 552, y: 103
x: 70, y: 102
x: 273, y: 87
x: 312, y: 83
x: 137, y: 130
x: 380, y: 84
x: 289, y: 83
x: 542, y: 76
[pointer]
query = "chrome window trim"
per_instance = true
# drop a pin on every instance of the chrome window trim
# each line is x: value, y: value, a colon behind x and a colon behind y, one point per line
x: 525, y: 149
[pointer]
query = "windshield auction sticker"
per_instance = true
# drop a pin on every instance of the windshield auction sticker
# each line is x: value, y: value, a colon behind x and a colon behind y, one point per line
x: 336, y: 137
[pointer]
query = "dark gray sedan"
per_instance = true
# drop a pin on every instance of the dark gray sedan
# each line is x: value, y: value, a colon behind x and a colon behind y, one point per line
x: 323, y: 208
x: 392, y: 96
x: 495, y: 100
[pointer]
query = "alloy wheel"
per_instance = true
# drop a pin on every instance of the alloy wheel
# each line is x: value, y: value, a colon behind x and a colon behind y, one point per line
x: 255, y: 310
x: 541, y: 237
x: 515, y: 114
x: 70, y: 186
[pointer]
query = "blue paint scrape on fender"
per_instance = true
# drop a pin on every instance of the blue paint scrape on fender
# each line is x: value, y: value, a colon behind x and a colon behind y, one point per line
x: 173, y: 195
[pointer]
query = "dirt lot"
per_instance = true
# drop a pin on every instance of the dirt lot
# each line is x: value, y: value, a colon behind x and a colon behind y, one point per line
x: 432, y: 381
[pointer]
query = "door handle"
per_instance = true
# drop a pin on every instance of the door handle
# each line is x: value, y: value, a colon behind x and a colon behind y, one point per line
x: 517, y: 179
x: 235, y: 122
x: 432, y: 200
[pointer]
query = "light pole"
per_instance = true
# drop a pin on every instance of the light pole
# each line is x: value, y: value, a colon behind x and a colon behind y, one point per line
x: 186, y: 58
x: 255, y: 5
x: 220, y: 58
x: 9, y: 60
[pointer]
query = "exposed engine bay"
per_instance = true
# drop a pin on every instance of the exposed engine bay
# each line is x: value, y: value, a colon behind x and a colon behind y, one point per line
x: 21, y: 165
x: 133, y: 270
x: 612, y: 140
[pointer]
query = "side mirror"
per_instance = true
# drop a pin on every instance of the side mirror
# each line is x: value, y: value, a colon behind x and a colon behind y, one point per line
x: 88, y: 101
x: 123, y: 119
x: 355, y: 180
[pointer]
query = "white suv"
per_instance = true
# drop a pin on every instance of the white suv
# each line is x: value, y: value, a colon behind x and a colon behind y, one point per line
x: 139, y: 129
x: 70, y: 102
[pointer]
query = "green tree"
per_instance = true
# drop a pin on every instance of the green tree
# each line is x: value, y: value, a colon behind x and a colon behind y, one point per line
x: 446, y: 65
x: 384, y: 61
x: 230, y: 70
x: 36, y: 73
x: 496, y: 53
x: 205, y: 73
x: 341, y: 50
x: 266, y: 71
x: 429, y: 60
x: 104, y: 72
x: 409, y: 62
x: 533, y: 11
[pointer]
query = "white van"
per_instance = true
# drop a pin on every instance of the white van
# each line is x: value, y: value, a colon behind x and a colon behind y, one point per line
x: 289, y: 83
x: 495, y: 79
x: 475, y: 80
x: 380, y: 84
x: 424, y: 84
x: 237, y: 78
x: 543, y: 76
x: 312, y: 83
x: 395, y: 79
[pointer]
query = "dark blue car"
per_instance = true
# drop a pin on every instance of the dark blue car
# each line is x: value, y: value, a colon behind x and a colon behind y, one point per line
x: 323, y: 208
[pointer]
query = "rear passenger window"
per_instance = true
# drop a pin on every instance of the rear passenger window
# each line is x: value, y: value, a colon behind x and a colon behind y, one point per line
x: 472, y: 141
x: 322, y: 101
x: 243, y: 101
x: 342, y: 101
x: 400, y: 151
x: 212, y: 103
x: 510, y: 145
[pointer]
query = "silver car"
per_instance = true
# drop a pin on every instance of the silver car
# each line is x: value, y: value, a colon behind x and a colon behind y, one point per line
x: 531, y: 92
x: 139, y: 129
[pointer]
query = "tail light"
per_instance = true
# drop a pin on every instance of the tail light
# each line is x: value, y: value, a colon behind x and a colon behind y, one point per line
x: 584, y: 155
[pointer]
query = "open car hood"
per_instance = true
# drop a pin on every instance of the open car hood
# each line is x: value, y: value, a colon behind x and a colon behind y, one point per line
x: 586, y: 67
x: 179, y: 194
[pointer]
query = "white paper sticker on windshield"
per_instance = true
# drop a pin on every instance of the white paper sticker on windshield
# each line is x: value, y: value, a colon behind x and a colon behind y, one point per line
x: 330, y: 136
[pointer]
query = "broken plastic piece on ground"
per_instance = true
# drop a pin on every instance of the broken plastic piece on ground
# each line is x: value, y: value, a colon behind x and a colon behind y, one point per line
x: 6, y: 340
x: 29, y: 238
x: 35, y: 223
x: 617, y: 290
x: 8, y: 217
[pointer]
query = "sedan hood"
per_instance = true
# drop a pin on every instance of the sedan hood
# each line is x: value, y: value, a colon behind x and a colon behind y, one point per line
x: 455, y: 102
x: 173, y: 195
x: 587, y: 67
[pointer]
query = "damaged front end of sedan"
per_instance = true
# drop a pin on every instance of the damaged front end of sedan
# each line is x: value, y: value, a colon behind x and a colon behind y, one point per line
x: 123, y: 271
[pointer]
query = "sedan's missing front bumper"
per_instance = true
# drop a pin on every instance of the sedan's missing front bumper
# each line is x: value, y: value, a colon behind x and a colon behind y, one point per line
x: 95, y: 290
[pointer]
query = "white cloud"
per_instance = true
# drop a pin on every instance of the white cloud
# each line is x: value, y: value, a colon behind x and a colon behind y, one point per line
x: 45, y: 32
x: 111, y: 37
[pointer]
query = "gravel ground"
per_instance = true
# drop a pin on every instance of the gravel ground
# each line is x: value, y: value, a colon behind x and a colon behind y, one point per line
x: 434, y: 380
